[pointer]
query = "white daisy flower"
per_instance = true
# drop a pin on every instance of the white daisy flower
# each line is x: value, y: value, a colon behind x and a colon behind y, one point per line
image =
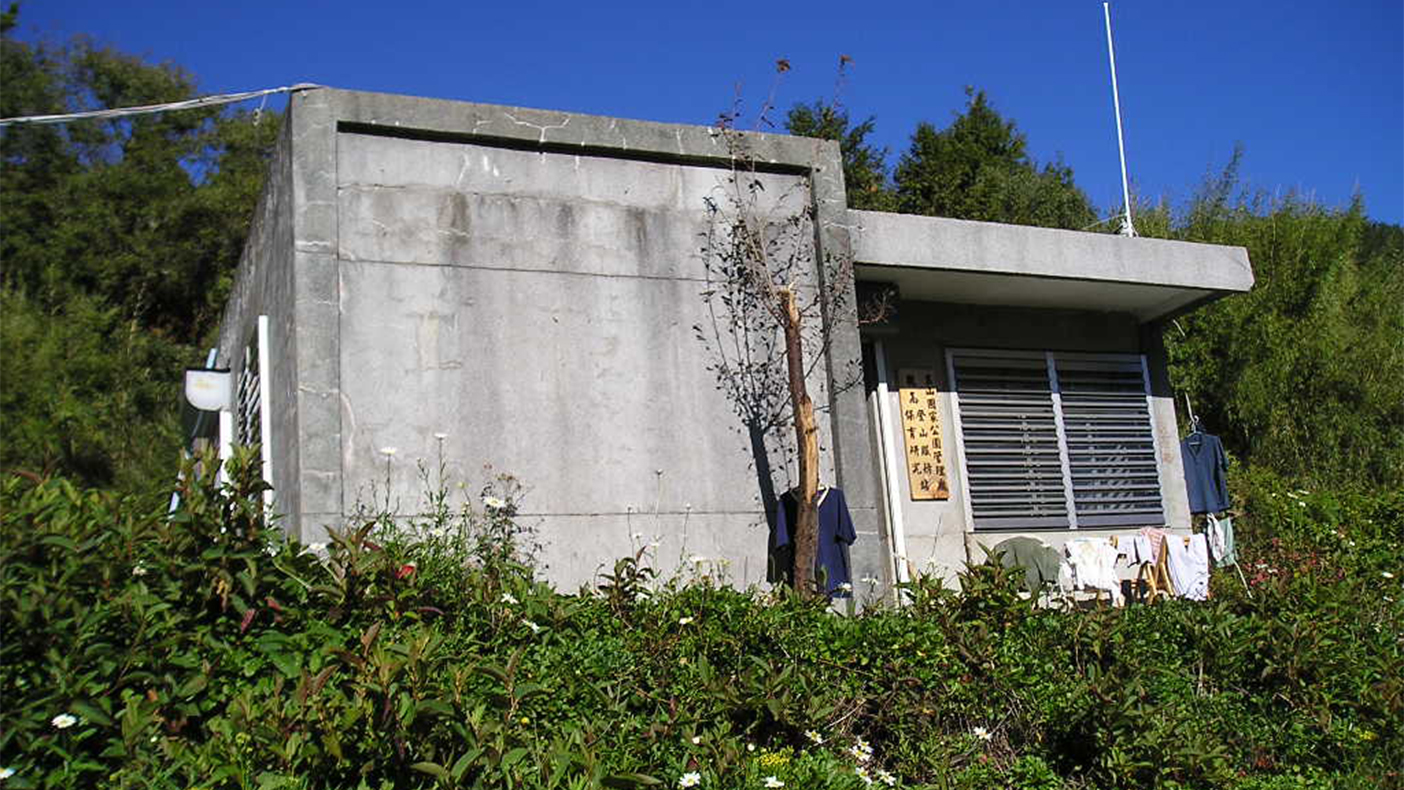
x: 63, y: 721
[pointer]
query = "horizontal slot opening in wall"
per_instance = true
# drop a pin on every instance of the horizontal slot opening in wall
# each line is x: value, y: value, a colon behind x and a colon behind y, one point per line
x: 570, y: 149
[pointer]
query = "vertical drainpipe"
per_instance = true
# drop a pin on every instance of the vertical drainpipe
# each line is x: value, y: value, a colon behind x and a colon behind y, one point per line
x: 890, y: 467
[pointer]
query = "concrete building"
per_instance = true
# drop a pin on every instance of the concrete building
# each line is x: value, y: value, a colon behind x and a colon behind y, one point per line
x: 495, y: 285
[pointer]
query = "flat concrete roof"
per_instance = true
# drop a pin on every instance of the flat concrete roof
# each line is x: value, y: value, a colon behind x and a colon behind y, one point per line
x: 952, y: 260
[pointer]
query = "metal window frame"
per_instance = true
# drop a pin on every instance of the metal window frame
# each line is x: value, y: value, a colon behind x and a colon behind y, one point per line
x: 1040, y: 515
x: 1071, y: 519
x: 1143, y: 503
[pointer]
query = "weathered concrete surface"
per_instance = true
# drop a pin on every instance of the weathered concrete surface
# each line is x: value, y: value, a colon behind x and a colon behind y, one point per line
x: 585, y: 134
x: 537, y: 309
x: 265, y: 285
x: 1175, y: 497
x: 690, y: 544
x: 318, y: 371
x: 493, y: 285
x: 989, y: 263
x: 858, y: 470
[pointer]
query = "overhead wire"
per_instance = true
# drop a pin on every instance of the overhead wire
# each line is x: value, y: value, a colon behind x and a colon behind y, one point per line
x: 147, y: 109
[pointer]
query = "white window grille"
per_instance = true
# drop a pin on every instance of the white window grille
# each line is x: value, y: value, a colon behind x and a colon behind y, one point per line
x: 251, y: 424
x: 1054, y: 440
x: 249, y: 401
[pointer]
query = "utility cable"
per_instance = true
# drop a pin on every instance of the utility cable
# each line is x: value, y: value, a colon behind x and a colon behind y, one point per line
x: 187, y: 104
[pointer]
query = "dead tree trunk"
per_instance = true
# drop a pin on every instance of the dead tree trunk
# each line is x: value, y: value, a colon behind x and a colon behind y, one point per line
x: 806, y: 534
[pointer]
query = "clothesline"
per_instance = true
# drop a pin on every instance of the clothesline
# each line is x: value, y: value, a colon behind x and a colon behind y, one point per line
x: 1166, y: 563
x: 147, y: 109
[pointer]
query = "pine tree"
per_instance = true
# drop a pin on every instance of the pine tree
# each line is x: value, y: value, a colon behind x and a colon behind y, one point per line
x: 979, y: 168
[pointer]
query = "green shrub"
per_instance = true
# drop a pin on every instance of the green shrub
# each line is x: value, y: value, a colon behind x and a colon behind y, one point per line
x: 201, y: 649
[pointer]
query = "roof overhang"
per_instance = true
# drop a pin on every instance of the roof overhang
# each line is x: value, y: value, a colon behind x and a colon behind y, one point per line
x: 952, y: 260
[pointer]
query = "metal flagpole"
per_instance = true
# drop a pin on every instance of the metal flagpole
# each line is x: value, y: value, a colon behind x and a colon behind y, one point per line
x: 1127, y: 228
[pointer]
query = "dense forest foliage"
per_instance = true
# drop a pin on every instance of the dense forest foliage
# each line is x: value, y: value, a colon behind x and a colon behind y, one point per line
x: 118, y: 240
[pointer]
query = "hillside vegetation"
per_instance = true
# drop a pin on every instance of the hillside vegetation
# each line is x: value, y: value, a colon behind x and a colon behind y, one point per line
x: 204, y: 651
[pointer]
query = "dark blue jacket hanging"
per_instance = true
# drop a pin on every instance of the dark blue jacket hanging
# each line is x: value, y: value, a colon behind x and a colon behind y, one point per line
x: 1206, y: 468
x: 835, y: 534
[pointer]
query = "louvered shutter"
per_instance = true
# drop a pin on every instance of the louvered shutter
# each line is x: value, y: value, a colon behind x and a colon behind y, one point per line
x: 1038, y: 429
x: 1110, y: 443
x: 1009, y: 431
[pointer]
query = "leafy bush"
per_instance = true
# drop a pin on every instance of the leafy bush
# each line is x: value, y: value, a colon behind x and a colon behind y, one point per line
x: 204, y: 650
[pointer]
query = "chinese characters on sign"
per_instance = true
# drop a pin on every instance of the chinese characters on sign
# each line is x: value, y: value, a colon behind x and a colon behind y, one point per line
x: 921, y: 432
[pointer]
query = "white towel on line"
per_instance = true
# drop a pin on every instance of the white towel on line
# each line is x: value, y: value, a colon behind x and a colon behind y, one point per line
x: 1189, y: 567
x: 1093, y: 565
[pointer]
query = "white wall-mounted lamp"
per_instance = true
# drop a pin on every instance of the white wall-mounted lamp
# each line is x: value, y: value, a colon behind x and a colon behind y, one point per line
x: 208, y: 389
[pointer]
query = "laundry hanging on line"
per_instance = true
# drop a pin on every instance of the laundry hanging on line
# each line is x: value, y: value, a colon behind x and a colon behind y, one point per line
x: 1206, y: 472
x: 1092, y: 564
x: 1169, y: 563
x: 1221, y: 544
x: 836, y: 534
x: 1189, y: 567
x: 1039, y: 561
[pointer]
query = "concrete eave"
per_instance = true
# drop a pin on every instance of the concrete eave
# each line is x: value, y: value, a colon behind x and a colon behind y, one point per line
x: 951, y: 260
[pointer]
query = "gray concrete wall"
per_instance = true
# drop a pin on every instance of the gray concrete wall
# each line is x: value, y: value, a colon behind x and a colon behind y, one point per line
x: 537, y: 308
x: 316, y: 314
x: 525, y: 283
x: 264, y: 284
x: 939, y: 540
x: 1167, y: 432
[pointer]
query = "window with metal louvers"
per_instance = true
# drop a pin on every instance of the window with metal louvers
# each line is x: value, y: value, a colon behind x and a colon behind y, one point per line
x: 1010, y: 440
x: 1056, y: 440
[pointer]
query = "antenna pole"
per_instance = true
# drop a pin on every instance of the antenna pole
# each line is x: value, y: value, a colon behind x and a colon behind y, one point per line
x: 1127, y: 229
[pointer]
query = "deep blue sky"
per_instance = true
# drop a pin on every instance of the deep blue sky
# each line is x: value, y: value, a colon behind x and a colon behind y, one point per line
x: 1313, y: 90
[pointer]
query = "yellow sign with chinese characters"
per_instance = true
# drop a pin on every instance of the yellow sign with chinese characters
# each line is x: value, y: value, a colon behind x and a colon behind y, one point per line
x: 921, y: 432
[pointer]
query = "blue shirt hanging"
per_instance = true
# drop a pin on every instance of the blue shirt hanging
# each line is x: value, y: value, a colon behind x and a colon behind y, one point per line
x: 835, y: 533
x: 1206, y: 468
